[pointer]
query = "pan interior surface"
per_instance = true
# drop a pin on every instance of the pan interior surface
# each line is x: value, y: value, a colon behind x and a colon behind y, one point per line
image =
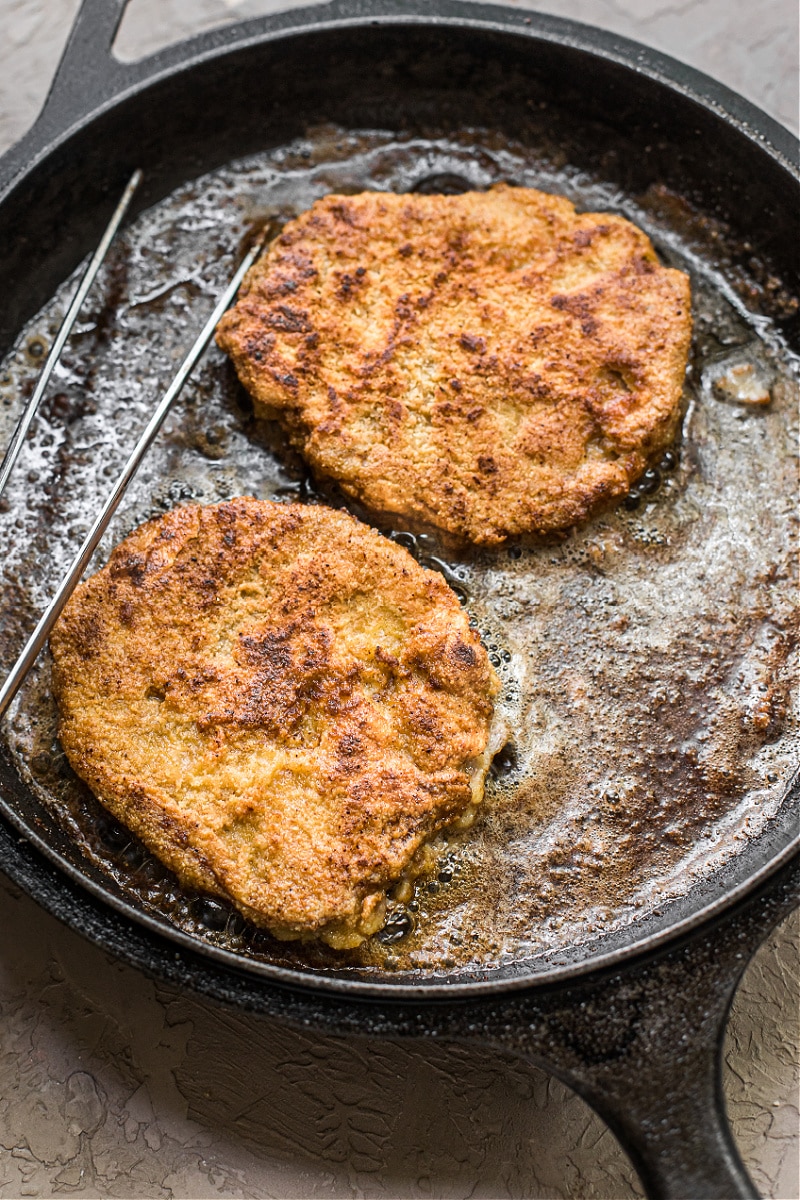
x: 646, y: 657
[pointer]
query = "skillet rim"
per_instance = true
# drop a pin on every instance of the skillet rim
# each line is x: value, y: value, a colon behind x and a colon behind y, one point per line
x: 422, y: 988
x: 118, y: 81
x: 127, y: 81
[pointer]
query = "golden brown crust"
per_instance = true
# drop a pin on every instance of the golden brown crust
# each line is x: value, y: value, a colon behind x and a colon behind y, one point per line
x: 492, y: 363
x: 280, y: 702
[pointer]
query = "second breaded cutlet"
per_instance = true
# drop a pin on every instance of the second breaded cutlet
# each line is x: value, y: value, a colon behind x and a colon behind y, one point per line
x: 493, y: 363
x: 281, y: 703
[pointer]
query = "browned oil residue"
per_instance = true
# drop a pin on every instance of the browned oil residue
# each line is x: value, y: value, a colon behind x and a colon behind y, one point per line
x: 646, y: 657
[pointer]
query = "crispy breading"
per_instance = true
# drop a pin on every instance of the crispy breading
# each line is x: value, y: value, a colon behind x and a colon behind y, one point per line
x: 281, y: 703
x: 492, y: 363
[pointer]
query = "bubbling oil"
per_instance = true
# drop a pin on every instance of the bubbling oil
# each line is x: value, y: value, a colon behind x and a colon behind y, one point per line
x: 646, y: 658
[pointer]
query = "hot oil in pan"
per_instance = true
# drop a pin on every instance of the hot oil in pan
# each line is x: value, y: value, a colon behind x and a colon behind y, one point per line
x: 646, y: 658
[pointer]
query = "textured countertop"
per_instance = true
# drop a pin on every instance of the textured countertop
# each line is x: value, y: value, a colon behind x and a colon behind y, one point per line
x: 113, y: 1086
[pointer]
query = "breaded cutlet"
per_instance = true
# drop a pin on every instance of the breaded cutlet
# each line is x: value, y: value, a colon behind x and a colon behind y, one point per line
x: 492, y: 364
x: 281, y: 703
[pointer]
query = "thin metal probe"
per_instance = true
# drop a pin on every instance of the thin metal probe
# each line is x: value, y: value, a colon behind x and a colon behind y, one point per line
x: 23, y: 425
x: 81, y: 560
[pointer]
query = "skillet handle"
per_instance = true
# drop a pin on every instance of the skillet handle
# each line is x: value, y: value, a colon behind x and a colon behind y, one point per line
x: 664, y: 1099
x: 88, y: 72
x: 643, y: 1047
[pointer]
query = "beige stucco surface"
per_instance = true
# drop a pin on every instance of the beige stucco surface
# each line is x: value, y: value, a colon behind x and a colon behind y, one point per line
x: 113, y: 1086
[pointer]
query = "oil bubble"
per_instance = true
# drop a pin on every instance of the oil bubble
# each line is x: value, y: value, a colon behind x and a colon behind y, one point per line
x: 404, y: 539
x: 211, y: 913
x: 114, y: 835
x: 395, y: 929
x: 444, y: 184
x: 650, y: 481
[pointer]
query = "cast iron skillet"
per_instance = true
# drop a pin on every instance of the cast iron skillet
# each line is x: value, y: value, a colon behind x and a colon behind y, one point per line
x: 636, y: 1026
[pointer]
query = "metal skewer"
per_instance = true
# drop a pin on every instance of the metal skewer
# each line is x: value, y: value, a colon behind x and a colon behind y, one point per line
x: 81, y: 560
x: 23, y: 425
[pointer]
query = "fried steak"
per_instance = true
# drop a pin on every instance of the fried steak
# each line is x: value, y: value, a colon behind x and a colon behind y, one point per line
x: 281, y: 703
x: 492, y: 363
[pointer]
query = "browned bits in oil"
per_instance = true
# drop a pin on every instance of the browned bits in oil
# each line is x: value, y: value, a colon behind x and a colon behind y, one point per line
x: 639, y: 647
